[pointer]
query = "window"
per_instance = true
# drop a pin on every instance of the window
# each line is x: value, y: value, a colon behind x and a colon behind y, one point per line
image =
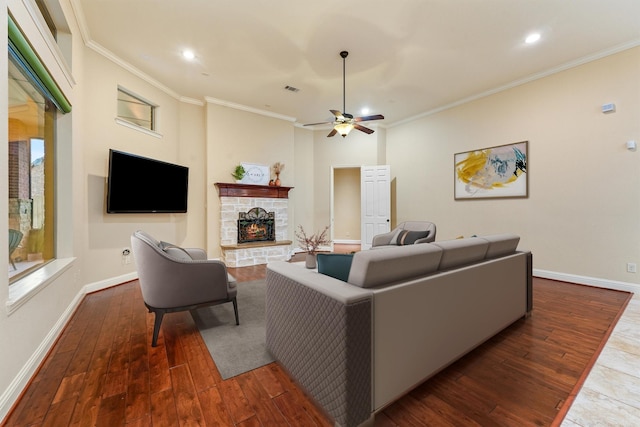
x: 31, y: 160
x: 135, y: 110
x: 42, y: 7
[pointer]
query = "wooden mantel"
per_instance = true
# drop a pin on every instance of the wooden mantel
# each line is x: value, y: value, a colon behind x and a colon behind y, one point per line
x: 248, y: 190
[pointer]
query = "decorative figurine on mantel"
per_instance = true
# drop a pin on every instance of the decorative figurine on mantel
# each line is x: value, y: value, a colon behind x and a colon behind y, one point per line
x: 277, y: 169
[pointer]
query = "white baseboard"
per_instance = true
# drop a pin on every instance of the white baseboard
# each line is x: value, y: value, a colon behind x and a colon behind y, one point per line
x: 585, y: 280
x: 107, y: 283
x: 12, y: 393
x: 347, y: 242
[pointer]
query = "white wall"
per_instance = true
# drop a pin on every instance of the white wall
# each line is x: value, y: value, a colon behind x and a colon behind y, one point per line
x: 581, y: 216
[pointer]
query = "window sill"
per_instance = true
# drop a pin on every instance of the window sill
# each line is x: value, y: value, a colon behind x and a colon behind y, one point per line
x: 26, y: 288
x: 138, y: 128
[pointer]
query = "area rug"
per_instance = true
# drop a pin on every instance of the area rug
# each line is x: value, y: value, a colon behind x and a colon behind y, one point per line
x: 236, y: 348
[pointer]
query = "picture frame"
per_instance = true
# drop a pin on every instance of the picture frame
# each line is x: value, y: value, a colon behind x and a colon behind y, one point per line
x: 255, y: 174
x: 494, y: 172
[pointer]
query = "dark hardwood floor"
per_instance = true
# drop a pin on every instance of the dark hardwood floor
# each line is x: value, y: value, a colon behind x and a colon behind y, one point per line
x: 103, y: 371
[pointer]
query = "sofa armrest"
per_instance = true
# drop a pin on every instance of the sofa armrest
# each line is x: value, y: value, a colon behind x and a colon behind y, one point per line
x: 320, y: 332
x: 383, y: 239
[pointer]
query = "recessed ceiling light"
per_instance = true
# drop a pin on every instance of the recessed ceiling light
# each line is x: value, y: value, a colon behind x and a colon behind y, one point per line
x: 188, y: 54
x: 532, y: 38
x: 364, y: 111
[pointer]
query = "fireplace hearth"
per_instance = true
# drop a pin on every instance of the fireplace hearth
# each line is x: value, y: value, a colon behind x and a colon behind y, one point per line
x: 257, y: 225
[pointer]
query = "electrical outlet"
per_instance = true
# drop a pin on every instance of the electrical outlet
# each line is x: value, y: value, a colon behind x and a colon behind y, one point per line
x: 632, y: 267
x: 126, y: 256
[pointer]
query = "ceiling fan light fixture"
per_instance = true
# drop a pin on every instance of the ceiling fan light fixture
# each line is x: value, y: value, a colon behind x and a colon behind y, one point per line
x: 343, y: 128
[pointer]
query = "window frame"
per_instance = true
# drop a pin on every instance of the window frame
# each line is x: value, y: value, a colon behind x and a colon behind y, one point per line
x: 124, y: 121
x: 59, y: 82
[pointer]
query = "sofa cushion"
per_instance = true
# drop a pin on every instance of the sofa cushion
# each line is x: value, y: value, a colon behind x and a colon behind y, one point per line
x: 461, y: 251
x: 335, y: 265
x: 394, y: 238
x: 406, y: 237
x: 501, y: 244
x: 392, y: 264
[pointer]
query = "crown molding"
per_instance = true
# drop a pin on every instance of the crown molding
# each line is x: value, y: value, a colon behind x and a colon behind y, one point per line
x: 241, y: 107
x: 193, y: 101
x: 133, y: 70
x: 86, y: 37
x: 528, y: 79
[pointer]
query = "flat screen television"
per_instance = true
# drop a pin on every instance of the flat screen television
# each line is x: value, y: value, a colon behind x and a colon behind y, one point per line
x: 138, y: 184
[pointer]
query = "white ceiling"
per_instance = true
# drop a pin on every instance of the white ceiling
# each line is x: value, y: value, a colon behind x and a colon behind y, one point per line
x: 406, y: 57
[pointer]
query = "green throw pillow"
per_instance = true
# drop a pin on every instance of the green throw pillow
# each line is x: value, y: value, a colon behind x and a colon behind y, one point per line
x: 407, y: 237
x: 335, y: 265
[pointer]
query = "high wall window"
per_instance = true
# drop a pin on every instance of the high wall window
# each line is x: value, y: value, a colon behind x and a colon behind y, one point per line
x: 136, y: 110
x: 30, y: 169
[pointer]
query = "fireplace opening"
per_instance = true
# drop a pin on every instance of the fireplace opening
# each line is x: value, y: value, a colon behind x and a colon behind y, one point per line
x: 257, y: 225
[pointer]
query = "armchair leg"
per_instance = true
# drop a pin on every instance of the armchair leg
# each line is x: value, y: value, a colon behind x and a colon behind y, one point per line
x: 156, y: 326
x: 235, y: 310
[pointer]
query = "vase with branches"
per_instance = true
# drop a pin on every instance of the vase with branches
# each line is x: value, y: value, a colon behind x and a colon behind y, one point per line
x: 277, y: 169
x: 310, y: 244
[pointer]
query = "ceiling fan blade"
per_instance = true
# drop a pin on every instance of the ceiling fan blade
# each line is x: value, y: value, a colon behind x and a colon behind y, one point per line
x: 367, y: 118
x: 333, y: 132
x: 363, y: 129
x: 338, y: 114
x: 319, y: 123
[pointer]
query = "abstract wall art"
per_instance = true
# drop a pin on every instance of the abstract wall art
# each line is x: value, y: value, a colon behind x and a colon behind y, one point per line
x: 493, y: 172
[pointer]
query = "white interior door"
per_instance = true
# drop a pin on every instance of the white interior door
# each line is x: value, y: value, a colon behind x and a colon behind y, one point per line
x: 375, y: 193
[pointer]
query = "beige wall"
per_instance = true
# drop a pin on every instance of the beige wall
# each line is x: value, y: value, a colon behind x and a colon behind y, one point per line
x: 304, y: 172
x: 193, y: 145
x: 357, y: 149
x: 346, y: 204
x: 234, y: 136
x: 108, y: 234
x: 581, y: 215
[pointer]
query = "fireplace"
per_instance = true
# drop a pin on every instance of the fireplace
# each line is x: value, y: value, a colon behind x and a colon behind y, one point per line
x: 257, y: 225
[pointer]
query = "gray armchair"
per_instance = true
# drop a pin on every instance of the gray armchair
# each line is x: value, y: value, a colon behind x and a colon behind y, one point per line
x: 179, y: 279
x: 418, y: 232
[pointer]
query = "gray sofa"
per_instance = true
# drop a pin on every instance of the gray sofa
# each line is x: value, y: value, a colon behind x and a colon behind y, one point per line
x: 403, y: 314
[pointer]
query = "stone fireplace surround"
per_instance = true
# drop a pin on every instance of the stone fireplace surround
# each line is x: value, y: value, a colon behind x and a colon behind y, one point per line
x: 236, y: 198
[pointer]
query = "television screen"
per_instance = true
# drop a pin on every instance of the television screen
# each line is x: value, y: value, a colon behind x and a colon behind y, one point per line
x: 141, y: 185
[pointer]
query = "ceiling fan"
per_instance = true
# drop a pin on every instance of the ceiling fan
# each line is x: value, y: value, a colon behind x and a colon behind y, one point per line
x: 344, y: 123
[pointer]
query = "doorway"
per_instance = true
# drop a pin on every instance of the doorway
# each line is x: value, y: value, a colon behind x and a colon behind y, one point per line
x: 360, y: 203
x: 345, y: 205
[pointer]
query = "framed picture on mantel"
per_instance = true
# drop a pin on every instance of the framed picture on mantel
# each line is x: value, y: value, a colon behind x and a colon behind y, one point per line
x: 255, y: 174
x: 494, y: 172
